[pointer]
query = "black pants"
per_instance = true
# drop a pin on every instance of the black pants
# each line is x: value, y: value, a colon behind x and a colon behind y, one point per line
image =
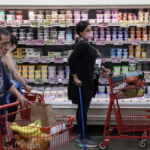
x: 11, y: 118
x: 79, y: 118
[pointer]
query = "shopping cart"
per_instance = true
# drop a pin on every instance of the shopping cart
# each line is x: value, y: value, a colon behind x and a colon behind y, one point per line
x: 129, y: 121
x: 50, y: 138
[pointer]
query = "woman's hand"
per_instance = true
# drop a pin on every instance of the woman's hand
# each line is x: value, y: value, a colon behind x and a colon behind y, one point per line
x: 78, y: 82
x: 28, y: 88
x: 106, y: 70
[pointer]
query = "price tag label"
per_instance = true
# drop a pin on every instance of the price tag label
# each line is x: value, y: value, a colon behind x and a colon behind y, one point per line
x: 50, y: 42
x: 103, y: 24
x: 53, y: 81
x: 64, y: 81
x: 64, y: 24
x: 30, y: 42
x: 133, y: 60
x: 34, y: 24
x: 124, y: 23
x: 60, y: 77
x: 141, y: 23
x: 104, y: 81
x: 15, y: 23
x: 135, y: 42
x: 60, y: 41
x: 103, y: 60
x: 40, y: 42
x: 33, y: 60
x: 47, y: 24
x: 58, y: 60
x: 45, y: 60
x: 19, y: 60
x: 100, y: 42
x: 118, y: 42
x: 3, y: 24
x: 116, y: 60
x: 38, y: 81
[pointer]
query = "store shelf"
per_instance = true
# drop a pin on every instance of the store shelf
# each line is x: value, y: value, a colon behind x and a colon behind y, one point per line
x: 45, y: 80
x: 74, y: 24
x: 94, y: 42
x: 127, y: 60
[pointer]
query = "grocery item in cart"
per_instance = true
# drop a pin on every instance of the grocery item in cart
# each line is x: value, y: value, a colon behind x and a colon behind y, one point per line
x: 131, y: 79
x: 131, y: 91
x: 118, y: 88
x: 120, y: 95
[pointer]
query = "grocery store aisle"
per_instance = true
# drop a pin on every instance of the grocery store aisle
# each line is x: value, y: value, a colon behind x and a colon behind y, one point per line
x: 114, y: 144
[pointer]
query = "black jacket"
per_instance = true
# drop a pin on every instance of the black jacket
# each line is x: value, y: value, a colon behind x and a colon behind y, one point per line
x: 81, y: 62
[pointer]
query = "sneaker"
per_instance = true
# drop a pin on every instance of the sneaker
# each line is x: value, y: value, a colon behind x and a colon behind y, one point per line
x: 88, y: 143
x: 89, y: 138
x: 78, y: 138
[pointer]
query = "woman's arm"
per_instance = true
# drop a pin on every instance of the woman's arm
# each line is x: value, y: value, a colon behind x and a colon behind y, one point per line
x: 106, y: 70
x: 79, y: 51
x: 16, y: 75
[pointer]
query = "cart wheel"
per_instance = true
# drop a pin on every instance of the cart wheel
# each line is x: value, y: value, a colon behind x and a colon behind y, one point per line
x: 101, y: 146
x: 142, y: 145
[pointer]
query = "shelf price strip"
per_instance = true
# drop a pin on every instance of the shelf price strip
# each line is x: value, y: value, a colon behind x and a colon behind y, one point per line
x: 60, y: 41
x: 116, y: 60
x: 141, y: 23
x: 38, y: 81
x: 103, y: 24
x: 104, y: 81
x: 133, y: 60
x: 50, y: 42
x: 53, y: 81
x: 118, y: 42
x: 58, y: 60
x: 135, y: 42
x: 124, y: 23
x: 47, y: 24
x: 64, y: 24
x: 30, y: 42
x: 40, y: 42
x: 19, y: 60
x: 103, y: 60
x: 65, y: 81
x: 45, y: 59
x: 33, y: 60
x: 34, y: 24
x: 100, y: 42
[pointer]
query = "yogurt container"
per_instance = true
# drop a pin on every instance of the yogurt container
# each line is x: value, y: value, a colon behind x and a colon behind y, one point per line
x: 99, y: 16
x: 84, y: 11
x: 114, y: 28
x: 84, y: 16
x: 113, y: 54
x: 107, y: 17
x: 125, y: 53
x: 124, y: 57
x: 125, y: 39
x: 99, y: 20
x: 119, y: 50
x: 102, y: 32
x: 124, y: 50
x: 76, y: 20
x: 117, y: 68
x: 126, y: 35
x: 125, y: 29
x: 120, y: 35
x: 96, y: 35
x: 12, y: 12
x: 114, y: 20
x: 95, y: 32
x: 108, y: 39
x: 108, y: 35
x: 107, y: 20
x: 95, y: 28
x: 101, y: 36
x: 114, y: 35
x: 10, y: 17
x: 99, y: 11
x: 19, y: 12
x: 108, y: 32
x: 125, y: 32
x: 125, y: 68
x: 102, y: 29
x: 62, y: 16
x: 115, y: 17
x: 108, y: 29
x: 113, y: 50
x: 92, y: 20
x: 2, y: 17
x: 119, y: 54
x: 77, y: 16
x: 19, y: 17
x: 114, y: 12
x: 107, y: 11
x: 114, y: 32
x: 76, y: 11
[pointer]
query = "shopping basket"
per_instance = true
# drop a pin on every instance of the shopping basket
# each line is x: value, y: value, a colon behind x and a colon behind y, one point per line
x: 50, y: 138
x: 129, y: 121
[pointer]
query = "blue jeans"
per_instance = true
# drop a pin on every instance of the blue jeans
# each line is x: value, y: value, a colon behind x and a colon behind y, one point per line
x: 79, y: 118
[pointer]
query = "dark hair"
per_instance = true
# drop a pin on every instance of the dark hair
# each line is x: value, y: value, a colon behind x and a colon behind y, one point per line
x: 5, y: 32
x: 80, y: 27
x: 13, y: 40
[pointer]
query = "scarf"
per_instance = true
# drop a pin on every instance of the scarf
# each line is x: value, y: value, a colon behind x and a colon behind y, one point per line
x: 98, y: 54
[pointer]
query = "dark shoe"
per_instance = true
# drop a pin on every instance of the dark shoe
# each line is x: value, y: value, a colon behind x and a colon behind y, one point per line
x: 78, y: 138
x: 7, y: 145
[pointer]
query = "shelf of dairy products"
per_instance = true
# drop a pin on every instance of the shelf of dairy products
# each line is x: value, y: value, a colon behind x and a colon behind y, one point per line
x: 94, y: 42
x: 26, y: 23
x: 45, y: 81
x: 51, y: 60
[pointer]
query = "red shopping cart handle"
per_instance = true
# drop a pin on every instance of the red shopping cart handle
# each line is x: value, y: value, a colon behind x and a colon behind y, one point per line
x: 104, y: 75
x: 12, y: 104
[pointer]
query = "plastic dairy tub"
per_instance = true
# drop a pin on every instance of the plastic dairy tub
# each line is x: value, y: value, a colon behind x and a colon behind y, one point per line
x: 101, y: 36
x: 114, y: 28
x: 113, y: 54
x: 116, y: 68
x: 106, y: 11
x: 76, y: 20
x: 124, y: 57
x: 124, y: 50
x: 18, y: 12
x: 114, y: 35
x: 76, y: 11
x: 2, y: 17
x: 107, y: 20
x: 120, y: 32
x: 68, y: 12
x: 125, y: 32
x: 99, y: 16
x: 84, y: 16
x: 95, y: 28
x: 125, y: 29
x: 108, y: 29
x: 119, y: 50
x: 99, y: 11
x: 102, y: 32
x: 114, y: 11
x: 101, y: 89
x: 62, y: 16
x: 120, y: 35
x: 95, y: 39
x: 19, y: 17
x: 119, y: 54
x: 114, y: 32
x: 125, y: 53
x: 95, y: 32
x: 108, y: 39
x: 115, y: 17
x: 96, y: 35
x: 102, y: 29
x: 113, y: 50
x: 99, y: 20
x: 108, y: 32
x: 125, y: 39
x: 10, y: 17
x: 12, y: 12
x: 108, y: 35
x: 91, y: 20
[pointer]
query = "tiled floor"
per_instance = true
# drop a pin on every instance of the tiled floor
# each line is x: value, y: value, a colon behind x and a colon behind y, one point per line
x: 114, y: 144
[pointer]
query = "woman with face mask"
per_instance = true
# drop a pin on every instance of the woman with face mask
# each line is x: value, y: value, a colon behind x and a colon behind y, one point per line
x: 11, y: 69
x: 84, y: 72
